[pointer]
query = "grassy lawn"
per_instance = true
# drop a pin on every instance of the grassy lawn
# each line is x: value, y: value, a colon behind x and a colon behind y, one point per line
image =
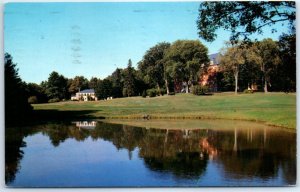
x: 273, y: 108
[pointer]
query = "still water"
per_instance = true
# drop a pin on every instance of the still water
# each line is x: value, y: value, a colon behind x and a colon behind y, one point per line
x: 152, y: 153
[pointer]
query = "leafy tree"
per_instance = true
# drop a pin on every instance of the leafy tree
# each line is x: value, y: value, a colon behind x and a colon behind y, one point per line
x: 265, y: 53
x: 230, y: 60
x: 250, y: 73
x: 56, y: 86
x: 243, y: 18
x: 16, y: 98
x: 129, y: 80
x: 117, y: 83
x: 152, y: 65
x: 184, y: 59
x: 37, y: 91
x: 78, y: 83
x: 284, y: 78
x: 104, y: 89
x: 93, y: 83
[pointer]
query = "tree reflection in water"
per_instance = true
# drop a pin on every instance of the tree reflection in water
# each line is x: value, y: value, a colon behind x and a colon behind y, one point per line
x: 242, y: 153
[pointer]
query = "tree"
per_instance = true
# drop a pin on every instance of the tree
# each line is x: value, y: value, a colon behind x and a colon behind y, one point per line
x: 152, y: 66
x: 104, y: 89
x: 93, y: 83
x: 250, y: 73
x: 37, y: 91
x: 284, y: 79
x: 265, y: 53
x: 230, y: 60
x: 77, y: 84
x: 56, y: 86
x: 129, y: 80
x: 185, y: 59
x: 17, y: 107
x: 243, y: 18
x: 117, y: 83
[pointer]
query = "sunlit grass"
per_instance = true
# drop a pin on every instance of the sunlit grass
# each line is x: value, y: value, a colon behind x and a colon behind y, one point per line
x: 274, y: 108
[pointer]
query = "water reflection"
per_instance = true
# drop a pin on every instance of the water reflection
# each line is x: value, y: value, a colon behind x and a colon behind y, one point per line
x: 85, y: 124
x: 239, y: 153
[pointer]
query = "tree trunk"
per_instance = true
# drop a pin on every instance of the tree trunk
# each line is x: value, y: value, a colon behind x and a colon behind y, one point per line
x: 167, y: 87
x: 158, y: 87
x: 236, y: 75
x: 266, y: 86
x: 187, y: 88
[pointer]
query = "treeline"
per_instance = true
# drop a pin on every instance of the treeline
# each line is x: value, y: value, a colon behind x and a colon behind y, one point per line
x: 178, y: 67
x: 165, y: 69
x: 266, y: 65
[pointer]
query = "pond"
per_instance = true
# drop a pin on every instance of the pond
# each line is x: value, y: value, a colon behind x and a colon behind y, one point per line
x: 150, y: 154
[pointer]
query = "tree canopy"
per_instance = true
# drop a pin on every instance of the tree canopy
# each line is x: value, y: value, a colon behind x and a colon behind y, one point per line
x: 184, y: 59
x: 16, y: 103
x: 231, y: 58
x: 152, y: 65
x: 56, y: 86
x: 129, y: 80
x: 265, y: 53
x: 78, y: 83
x: 243, y: 18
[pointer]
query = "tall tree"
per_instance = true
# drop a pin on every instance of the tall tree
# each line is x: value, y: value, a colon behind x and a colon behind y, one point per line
x: 285, y: 77
x: 117, y: 83
x: 77, y: 84
x: 231, y: 58
x: 185, y: 60
x: 243, y: 18
x: 152, y: 65
x: 56, y: 86
x: 129, y: 80
x: 104, y: 89
x: 16, y: 104
x: 93, y: 83
x: 265, y: 53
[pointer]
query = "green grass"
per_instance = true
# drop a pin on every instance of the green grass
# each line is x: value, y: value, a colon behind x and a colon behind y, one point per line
x: 277, y: 109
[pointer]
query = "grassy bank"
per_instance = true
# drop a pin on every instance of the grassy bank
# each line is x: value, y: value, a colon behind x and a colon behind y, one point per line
x: 277, y: 109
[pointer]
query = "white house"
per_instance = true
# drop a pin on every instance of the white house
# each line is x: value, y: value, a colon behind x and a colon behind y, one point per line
x: 85, y: 95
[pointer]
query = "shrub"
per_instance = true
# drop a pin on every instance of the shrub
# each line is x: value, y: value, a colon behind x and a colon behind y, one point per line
x: 54, y: 100
x: 151, y: 92
x: 199, y: 90
x: 32, y: 100
x: 171, y: 93
x: 163, y: 91
x: 144, y: 94
x: 248, y: 91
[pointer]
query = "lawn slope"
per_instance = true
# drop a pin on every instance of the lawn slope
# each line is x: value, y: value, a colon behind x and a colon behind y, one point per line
x: 277, y: 109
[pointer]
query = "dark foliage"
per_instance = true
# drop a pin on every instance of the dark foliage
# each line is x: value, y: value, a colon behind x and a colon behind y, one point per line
x: 56, y: 86
x: 17, y: 107
x: 104, y: 89
x: 243, y: 18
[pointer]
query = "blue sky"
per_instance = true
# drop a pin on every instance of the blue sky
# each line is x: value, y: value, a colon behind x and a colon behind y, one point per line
x: 92, y: 39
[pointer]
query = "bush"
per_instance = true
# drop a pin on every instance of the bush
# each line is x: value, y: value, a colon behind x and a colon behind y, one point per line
x: 248, y: 91
x: 32, y: 100
x: 199, y: 90
x: 144, y: 94
x: 54, y: 100
x: 163, y: 91
x: 152, y: 92
x: 171, y: 93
